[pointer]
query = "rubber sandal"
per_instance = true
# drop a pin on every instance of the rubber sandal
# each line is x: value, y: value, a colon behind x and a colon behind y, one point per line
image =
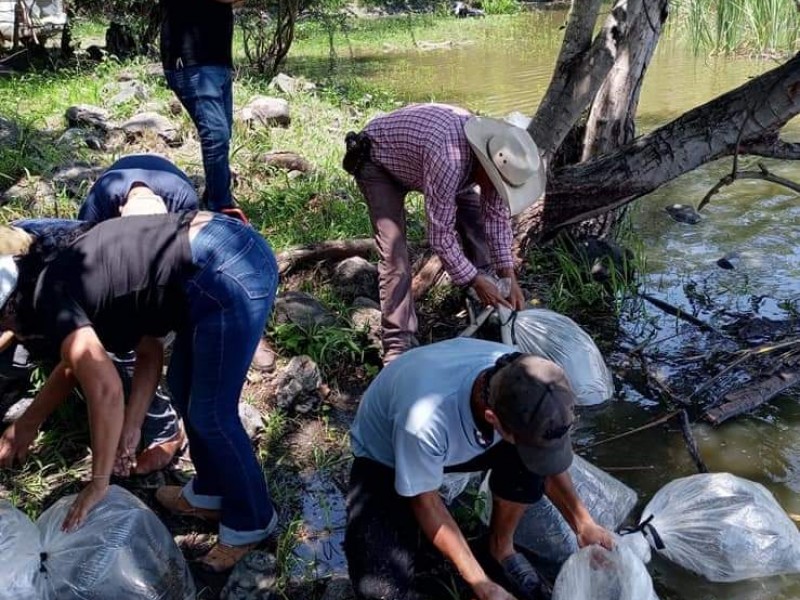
x: 523, y: 577
x: 171, y: 498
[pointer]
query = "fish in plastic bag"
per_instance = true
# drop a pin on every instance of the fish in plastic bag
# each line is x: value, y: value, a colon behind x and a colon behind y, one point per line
x: 122, y: 551
x: 594, y: 573
x: 722, y: 527
x: 551, y: 335
x: 543, y: 530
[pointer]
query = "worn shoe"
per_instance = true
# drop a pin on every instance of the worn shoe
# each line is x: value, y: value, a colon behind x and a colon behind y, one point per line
x: 171, y: 498
x: 523, y: 577
x: 222, y: 557
x: 158, y: 456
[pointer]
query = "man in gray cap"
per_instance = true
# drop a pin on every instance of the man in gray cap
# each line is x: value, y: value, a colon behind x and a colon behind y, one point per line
x: 462, y: 405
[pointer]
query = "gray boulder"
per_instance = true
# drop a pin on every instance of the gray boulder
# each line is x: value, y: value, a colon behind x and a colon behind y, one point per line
x: 683, y: 213
x: 35, y: 193
x: 287, y: 161
x: 266, y: 112
x: 354, y: 277
x: 291, y: 85
x: 251, y: 419
x: 366, y: 316
x: 88, y: 116
x: 302, y: 309
x: 76, y: 178
x: 153, y: 123
x: 253, y: 578
x: 76, y: 137
x: 298, y: 386
x: 154, y: 70
x: 122, y: 92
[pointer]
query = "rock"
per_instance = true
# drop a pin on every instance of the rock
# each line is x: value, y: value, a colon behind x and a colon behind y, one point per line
x: 302, y: 309
x: 77, y: 178
x: 683, y: 213
x: 298, y: 385
x: 253, y: 578
x: 264, y: 358
x: 95, y: 52
x: 152, y: 122
x: 34, y: 193
x: 319, y: 547
x: 175, y: 107
x: 339, y: 588
x: 251, y: 419
x: 9, y: 133
x: 366, y: 316
x: 729, y: 261
x: 153, y: 70
x: 291, y: 85
x: 121, y: 92
x: 86, y: 115
x: 354, y: 277
x: 16, y: 410
x: 79, y: 138
x: 292, y: 175
x: 288, y: 161
x: 266, y: 111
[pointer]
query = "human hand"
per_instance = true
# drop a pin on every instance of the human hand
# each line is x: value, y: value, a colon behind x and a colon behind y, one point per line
x: 89, y: 496
x: 487, y: 292
x: 489, y: 590
x: 592, y: 533
x: 515, y: 296
x: 126, y: 451
x: 15, y: 443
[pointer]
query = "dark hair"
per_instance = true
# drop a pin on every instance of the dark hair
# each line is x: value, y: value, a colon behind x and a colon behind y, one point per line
x: 49, y: 239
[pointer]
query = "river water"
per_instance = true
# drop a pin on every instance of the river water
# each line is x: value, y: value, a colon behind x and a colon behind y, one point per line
x: 506, y: 65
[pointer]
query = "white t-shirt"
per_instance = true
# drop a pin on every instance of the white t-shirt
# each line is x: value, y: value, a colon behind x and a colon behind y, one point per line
x: 415, y: 416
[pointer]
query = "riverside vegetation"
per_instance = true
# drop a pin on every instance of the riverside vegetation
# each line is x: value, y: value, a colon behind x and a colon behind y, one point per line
x: 288, y: 209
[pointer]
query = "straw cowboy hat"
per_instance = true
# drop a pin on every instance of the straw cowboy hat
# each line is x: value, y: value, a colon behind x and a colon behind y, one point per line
x: 510, y: 158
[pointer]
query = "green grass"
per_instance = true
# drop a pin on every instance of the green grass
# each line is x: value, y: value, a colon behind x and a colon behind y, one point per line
x: 739, y: 26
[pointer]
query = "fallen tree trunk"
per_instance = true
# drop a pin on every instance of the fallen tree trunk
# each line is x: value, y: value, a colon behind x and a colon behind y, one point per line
x: 749, y: 117
x: 751, y: 397
x: 333, y: 250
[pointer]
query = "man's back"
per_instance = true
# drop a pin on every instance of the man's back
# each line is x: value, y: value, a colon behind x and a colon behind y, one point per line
x: 196, y: 32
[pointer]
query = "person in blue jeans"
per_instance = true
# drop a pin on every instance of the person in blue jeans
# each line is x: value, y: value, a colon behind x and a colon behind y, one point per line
x: 196, y: 53
x: 138, y: 184
x: 122, y: 284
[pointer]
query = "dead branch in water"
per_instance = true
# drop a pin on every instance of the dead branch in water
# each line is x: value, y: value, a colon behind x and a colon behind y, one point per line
x: 691, y: 443
x: 659, y: 421
x: 680, y: 314
x: 763, y: 174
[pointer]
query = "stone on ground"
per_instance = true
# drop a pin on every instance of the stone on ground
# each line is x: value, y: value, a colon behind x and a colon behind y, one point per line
x: 122, y: 92
x: 76, y: 178
x: 287, y: 161
x: 253, y: 578
x: 251, y: 419
x: 303, y: 310
x: 298, y: 386
x: 151, y: 122
x: 86, y: 115
x: 266, y: 112
x: 354, y: 277
x: 291, y: 85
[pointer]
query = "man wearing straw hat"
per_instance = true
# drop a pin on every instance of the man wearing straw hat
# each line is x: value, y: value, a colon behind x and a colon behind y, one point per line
x: 474, y: 172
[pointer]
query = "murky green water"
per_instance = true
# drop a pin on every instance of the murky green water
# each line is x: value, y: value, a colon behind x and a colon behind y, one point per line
x: 508, y: 68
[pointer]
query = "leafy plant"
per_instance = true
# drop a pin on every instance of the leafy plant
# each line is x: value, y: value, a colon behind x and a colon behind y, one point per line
x: 328, y: 346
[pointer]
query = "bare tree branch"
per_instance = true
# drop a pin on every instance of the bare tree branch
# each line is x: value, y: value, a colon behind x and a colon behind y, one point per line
x: 763, y: 174
x: 773, y: 149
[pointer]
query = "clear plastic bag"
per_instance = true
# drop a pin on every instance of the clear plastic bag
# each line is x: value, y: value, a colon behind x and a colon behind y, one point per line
x: 544, y: 531
x: 454, y: 484
x: 722, y: 527
x: 558, y: 338
x: 122, y: 551
x: 595, y: 573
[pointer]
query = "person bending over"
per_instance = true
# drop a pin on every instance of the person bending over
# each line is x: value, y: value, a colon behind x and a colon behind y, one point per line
x: 462, y: 405
x: 124, y: 284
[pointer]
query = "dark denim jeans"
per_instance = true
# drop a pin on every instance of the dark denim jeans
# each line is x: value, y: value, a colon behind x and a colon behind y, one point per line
x: 206, y: 93
x: 230, y: 297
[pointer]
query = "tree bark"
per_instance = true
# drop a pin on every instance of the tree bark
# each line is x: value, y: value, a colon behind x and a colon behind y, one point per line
x: 750, y: 116
x: 299, y: 256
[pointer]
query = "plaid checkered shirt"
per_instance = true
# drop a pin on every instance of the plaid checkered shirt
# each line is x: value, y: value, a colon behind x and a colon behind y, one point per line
x: 425, y: 148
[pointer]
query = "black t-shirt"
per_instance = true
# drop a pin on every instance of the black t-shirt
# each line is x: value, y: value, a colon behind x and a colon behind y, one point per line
x: 196, y: 32
x: 124, y: 277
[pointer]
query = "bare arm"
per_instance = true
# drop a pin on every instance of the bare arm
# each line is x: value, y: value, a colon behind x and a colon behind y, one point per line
x: 85, y: 355
x: 439, y: 527
x: 561, y: 492
x: 146, y: 373
x: 19, y: 436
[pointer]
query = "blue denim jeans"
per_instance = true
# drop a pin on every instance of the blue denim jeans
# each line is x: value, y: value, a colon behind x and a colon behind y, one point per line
x: 229, y: 297
x: 206, y: 93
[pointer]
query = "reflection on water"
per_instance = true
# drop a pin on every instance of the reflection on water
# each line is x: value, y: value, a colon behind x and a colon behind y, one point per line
x: 508, y: 69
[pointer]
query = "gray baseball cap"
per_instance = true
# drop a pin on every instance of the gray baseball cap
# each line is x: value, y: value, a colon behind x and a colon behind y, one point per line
x: 534, y: 401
